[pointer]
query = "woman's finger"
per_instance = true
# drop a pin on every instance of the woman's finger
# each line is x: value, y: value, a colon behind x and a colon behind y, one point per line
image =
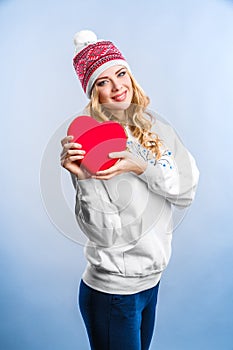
x: 72, y: 157
x: 68, y: 160
x: 121, y: 154
x: 66, y: 142
x: 108, y: 171
x: 105, y: 177
x: 71, y: 152
x: 69, y: 145
x: 66, y: 139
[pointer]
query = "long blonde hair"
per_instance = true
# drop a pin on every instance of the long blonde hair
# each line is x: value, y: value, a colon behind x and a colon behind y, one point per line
x: 139, y: 120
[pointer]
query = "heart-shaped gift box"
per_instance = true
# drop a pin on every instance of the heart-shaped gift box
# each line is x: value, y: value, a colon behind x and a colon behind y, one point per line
x: 98, y: 140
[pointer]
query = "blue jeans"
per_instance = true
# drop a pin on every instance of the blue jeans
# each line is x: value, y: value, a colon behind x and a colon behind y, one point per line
x: 118, y: 322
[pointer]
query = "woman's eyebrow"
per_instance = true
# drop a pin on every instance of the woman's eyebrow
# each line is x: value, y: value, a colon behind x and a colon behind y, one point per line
x: 101, y: 78
x: 119, y: 70
x: 108, y: 77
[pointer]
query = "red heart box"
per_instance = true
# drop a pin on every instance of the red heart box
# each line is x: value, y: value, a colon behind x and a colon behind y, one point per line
x: 98, y: 140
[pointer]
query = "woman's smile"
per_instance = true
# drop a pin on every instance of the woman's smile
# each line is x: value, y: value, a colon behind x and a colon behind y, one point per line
x: 120, y: 97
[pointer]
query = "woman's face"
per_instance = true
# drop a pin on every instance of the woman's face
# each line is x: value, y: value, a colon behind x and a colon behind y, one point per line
x: 114, y: 88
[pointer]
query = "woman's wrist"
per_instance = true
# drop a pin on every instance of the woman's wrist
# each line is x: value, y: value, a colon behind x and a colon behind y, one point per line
x: 141, y: 167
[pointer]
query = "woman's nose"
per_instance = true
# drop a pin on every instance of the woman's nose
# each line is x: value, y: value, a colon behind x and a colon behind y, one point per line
x: 116, y: 85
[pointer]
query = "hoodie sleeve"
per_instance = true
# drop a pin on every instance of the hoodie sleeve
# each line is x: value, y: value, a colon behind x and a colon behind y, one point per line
x: 175, y: 175
x: 92, y: 205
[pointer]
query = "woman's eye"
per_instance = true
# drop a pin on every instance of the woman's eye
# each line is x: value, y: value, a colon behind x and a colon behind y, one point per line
x: 121, y: 74
x: 102, y: 83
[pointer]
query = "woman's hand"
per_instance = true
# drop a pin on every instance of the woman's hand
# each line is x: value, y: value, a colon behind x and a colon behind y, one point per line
x: 127, y: 162
x: 72, y: 152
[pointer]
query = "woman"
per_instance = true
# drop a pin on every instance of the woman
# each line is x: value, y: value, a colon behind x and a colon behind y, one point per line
x: 126, y: 210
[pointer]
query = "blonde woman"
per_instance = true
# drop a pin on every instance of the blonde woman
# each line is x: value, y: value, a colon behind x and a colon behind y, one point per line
x: 126, y: 210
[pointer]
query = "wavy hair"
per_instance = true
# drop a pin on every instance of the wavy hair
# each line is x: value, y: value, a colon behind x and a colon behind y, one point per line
x: 139, y: 120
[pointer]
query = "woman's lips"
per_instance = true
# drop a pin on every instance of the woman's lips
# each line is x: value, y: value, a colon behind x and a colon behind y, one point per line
x: 121, y: 97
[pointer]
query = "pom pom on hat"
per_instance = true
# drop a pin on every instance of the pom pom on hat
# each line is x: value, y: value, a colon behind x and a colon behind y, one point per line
x: 84, y: 38
x: 93, y: 57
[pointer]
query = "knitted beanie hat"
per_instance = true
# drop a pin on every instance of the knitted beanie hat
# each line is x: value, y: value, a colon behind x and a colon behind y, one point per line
x: 93, y: 57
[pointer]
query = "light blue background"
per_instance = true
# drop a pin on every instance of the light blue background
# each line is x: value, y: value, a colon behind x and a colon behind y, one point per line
x: 181, y: 52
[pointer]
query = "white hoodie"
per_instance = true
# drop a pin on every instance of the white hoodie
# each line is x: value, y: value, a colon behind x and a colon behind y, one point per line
x: 128, y: 219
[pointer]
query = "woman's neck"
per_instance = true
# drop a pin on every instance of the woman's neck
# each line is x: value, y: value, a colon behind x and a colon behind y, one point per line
x: 120, y: 116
